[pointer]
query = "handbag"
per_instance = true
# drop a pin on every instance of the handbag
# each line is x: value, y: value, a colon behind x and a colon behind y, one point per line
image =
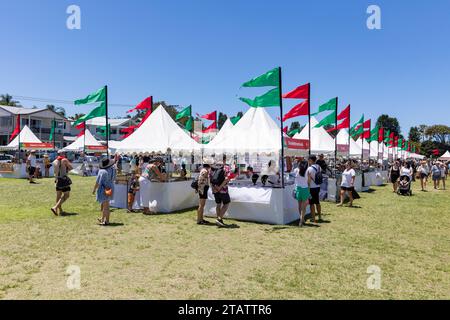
x: 108, y: 192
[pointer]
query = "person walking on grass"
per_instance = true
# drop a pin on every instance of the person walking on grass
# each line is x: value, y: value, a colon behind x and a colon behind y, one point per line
x: 203, y: 187
x: 436, y: 174
x: 315, y: 179
x: 220, y: 179
x: 104, y: 188
x: 61, y: 168
x: 347, y: 184
x: 423, y: 174
x: 302, y: 181
x: 394, y: 174
x: 31, y: 166
x: 443, y: 175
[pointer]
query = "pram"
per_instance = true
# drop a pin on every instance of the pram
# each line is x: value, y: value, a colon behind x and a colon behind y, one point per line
x: 404, y: 185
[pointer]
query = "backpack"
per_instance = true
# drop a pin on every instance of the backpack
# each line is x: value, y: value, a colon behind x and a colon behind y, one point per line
x: 318, y: 178
x: 194, y: 184
x: 218, y: 177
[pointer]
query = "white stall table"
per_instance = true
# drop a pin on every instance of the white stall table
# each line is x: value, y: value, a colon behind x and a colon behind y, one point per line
x: 169, y: 196
x: 258, y: 204
x: 20, y: 171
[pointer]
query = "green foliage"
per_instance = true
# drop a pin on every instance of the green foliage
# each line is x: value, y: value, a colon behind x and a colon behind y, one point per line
x: 7, y: 100
x: 438, y: 132
x: 221, y: 120
x: 414, y: 134
x: 389, y: 123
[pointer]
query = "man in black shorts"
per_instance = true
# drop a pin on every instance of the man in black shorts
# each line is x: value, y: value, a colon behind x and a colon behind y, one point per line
x: 219, y: 183
x: 314, y: 189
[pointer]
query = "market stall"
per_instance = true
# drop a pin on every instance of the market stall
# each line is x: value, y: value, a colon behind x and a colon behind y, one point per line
x: 25, y: 141
x: 159, y: 134
x: 321, y: 141
x: 255, y: 141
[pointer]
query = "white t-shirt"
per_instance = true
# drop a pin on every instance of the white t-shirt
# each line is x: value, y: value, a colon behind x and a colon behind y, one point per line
x: 347, y: 176
x: 32, y: 160
x: 312, y: 172
x: 300, y: 181
x: 405, y: 172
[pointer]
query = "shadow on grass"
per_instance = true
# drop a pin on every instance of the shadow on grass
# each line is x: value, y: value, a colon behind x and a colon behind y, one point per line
x: 68, y: 214
x: 371, y: 190
x: 114, y: 224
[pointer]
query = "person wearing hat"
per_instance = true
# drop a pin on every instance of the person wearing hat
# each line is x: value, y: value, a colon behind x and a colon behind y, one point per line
x: 31, y: 166
x: 61, y: 166
x: 104, y: 188
x: 203, y: 187
x: 151, y: 172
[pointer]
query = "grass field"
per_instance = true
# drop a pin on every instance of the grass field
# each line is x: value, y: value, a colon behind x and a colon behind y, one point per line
x: 169, y: 257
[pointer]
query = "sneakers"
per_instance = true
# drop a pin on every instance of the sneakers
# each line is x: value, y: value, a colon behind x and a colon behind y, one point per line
x: 220, y: 223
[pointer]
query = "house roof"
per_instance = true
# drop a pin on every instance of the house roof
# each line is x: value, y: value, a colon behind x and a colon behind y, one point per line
x: 28, y: 111
x: 112, y: 122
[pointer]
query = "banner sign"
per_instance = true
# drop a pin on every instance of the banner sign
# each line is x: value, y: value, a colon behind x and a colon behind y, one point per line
x: 6, y: 167
x: 343, y: 148
x: 37, y: 146
x: 95, y: 148
x: 298, y: 144
x: 366, y: 153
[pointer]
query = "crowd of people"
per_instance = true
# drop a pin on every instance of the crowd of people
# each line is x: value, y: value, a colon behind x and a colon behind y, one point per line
x: 308, y: 176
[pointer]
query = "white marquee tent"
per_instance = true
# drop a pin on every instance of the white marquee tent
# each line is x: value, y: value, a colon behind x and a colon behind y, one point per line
x: 227, y: 126
x: 342, y: 138
x: 157, y: 134
x: 78, y: 145
x: 321, y: 141
x: 445, y: 156
x: 25, y: 136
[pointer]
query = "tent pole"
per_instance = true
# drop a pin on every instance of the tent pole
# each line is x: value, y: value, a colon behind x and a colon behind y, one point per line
x: 107, y: 122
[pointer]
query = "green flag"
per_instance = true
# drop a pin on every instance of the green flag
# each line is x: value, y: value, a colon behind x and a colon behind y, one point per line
x: 189, y: 124
x: 357, y: 128
x: 100, y: 111
x: 374, y: 134
x: 328, y: 120
x: 103, y: 131
x: 98, y: 96
x: 186, y: 112
x: 269, y: 99
x: 271, y: 78
x: 293, y: 132
x: 400, y: 143
x: 328, y: 106
x: 52, y: 131
x: 235, y: 120
x: 406, y: 146
x: 387, y: 136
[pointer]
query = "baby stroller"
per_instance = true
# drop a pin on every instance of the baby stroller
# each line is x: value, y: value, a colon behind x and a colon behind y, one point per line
x: 404, y: 186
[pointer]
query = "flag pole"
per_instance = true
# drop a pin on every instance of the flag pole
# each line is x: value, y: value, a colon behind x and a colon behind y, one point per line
x: 20, y: 124
x: 335, y: 138
x: 107, y: 122
x: 309, y: 117
x: 349, y: 127
x: 54, y: 133
x: 281, y: 127
x: 84, y: 138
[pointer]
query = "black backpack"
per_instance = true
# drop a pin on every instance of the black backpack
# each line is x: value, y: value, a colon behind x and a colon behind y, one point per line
x: 218, y: 177
x: 318, y: 178
x: 194, y: 184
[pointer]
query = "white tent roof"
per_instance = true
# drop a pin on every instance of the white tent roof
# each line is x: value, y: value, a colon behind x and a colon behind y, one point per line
x: 157, y: 134
x: 321, y: 141
x: 445, y: 156
x: 227, y: 126
x: 342, y: 138
x: 79, y: 143
x: 256, y: 132
x: 26, y: 136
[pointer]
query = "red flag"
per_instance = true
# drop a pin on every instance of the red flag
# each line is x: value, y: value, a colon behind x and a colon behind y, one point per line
x: 302, y: 109
x: 146, y: 104
x: 301, y: 92
x: 391, y: 140
x: 146, y: 116
x: 16, y: 129
x: 212, y: 127
x: 366, y: 126
x: 380, y: 135
x: 344, y: 114
x: 435, y: 152
x: 82, y: 127
x: 285, y: 130
x: 343, y: 125
x: 395, y: 142
x: 210, y: 116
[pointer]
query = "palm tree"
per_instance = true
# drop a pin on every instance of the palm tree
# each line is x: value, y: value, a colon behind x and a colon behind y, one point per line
x: 59, y: 110
x: 76, y: 116
x: 7, y: 100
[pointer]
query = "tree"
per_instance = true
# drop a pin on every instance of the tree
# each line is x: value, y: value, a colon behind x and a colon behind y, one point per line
x: 388, y: 123
x: 414, y: 134
x: 76, y: 116
x: 59, y: 110
x: 221, y: 120
x: 7, y: 100
x: 438, y: 133
x: 294, y: 125
x: 422, y: 129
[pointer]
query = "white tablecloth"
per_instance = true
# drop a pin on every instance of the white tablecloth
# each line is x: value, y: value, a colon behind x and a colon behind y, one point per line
x: 168, y: 197
x: 258, y: 204
x: 20, y: 171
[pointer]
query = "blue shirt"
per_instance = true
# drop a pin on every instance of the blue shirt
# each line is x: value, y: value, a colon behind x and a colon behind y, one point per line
x: 105, y: 179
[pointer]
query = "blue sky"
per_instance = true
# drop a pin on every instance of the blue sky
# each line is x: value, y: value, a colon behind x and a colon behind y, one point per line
x: 200, y: 52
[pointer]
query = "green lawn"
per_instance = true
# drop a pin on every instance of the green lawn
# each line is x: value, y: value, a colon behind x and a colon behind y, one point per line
x: 169, y: 257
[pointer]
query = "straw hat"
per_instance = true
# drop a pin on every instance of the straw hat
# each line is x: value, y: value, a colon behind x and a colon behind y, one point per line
x: 106, y: 163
